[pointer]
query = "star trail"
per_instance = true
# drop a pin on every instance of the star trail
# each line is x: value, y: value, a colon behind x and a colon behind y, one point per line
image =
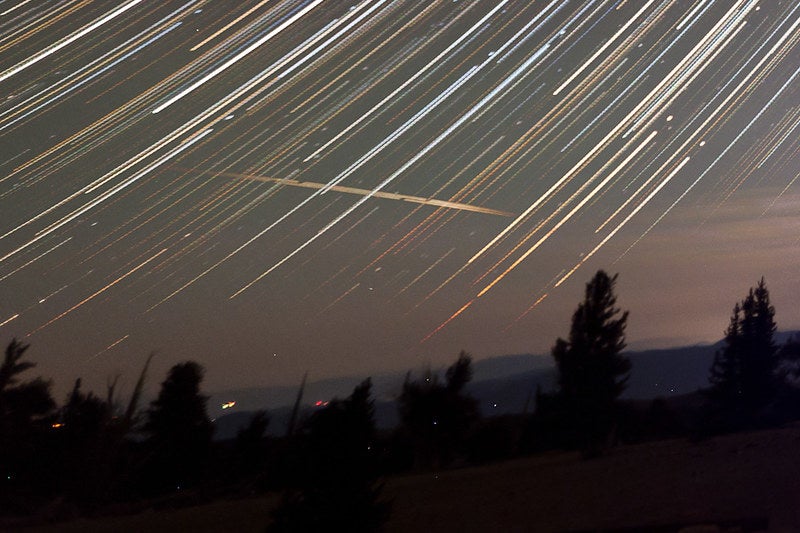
x: 270, y: 187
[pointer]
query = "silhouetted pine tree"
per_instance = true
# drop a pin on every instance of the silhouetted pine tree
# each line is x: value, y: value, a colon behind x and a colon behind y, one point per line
x: 788, y: 372
x: 460, y: 409
x: 118, y: 456
x: 251, y: 450
x: 743, y: 375
x: 789, y: 361
x: 178, y: 431
x: 592, y: 372
x: 437, y: 417
x: 21, y: 404
x: 25, y: 431
x: 337, y: 490
x: 83, y: 446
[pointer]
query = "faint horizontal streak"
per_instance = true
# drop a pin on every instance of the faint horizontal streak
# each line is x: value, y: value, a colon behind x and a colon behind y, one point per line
x: 365, y: 192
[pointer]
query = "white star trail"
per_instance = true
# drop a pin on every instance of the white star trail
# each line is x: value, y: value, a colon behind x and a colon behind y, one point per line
x: 238, y: 57
x: 56, y: 47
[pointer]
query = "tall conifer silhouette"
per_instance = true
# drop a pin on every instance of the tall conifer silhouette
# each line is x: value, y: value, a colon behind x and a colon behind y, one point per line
x: 743, y: 375
x: 179, y: 430
x: 592, y: 372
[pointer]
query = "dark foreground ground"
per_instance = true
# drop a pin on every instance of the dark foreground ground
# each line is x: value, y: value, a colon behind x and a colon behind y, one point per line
x: 744, y: 482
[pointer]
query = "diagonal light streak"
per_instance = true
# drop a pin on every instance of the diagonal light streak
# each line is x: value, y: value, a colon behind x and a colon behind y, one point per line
x: 238, y: 57
x: 97, y: 293
x: 365, y: 192
x: 52, y: 49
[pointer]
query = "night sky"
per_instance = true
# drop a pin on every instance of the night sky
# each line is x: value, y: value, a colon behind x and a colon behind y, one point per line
x: 351, y: 188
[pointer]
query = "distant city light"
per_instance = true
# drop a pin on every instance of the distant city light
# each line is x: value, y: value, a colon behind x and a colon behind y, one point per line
x: 228, y: 405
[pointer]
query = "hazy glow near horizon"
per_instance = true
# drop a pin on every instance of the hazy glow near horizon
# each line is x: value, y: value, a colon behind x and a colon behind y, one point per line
x: 275, y: 187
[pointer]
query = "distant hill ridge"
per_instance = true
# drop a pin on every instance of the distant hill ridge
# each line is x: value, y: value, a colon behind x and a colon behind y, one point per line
x: 502, y: 385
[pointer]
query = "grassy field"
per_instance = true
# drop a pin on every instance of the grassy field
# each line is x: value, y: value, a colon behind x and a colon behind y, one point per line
x: 739, y: 482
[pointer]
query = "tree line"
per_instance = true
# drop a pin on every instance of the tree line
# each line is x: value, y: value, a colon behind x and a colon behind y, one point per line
x: 93, y: 452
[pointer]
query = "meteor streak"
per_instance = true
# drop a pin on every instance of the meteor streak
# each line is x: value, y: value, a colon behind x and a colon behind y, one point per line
x: 367, y: 192
x: 463, y: 119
